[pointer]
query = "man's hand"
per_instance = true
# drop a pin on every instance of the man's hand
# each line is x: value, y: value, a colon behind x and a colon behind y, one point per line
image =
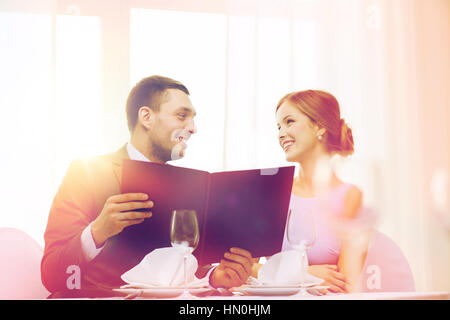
x: 332, y: 278
x: 119, y: 212
x: 234, y: 270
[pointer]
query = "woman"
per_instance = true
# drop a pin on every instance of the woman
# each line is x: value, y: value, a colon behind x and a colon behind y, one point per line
x: 310, y: 130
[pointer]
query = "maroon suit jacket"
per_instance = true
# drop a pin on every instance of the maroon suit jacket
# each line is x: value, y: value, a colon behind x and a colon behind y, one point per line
x: 79, y: 200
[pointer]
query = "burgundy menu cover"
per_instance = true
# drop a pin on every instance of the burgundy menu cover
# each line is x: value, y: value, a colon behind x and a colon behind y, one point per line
x: 245, y: 209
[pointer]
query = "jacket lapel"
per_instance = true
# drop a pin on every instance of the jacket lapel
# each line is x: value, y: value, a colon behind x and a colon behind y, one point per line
x: 117, y: 162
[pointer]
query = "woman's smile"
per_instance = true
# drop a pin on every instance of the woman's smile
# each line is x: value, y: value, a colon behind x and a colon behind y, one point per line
x: 286, y: 144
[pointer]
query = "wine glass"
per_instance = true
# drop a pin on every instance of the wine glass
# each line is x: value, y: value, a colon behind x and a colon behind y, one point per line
x: 184, y: 236
x: 301, y: 235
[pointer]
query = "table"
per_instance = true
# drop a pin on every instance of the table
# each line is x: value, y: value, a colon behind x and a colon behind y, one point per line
x: 438, y: 295
x: 360, y: 296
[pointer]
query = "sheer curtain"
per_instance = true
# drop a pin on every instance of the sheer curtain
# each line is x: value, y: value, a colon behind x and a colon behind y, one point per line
x: 67, y: 67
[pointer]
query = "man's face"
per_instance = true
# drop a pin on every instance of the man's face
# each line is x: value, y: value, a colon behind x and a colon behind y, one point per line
x: 172, y: 125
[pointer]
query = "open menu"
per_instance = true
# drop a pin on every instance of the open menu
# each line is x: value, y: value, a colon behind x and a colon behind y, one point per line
x: 245, y: 209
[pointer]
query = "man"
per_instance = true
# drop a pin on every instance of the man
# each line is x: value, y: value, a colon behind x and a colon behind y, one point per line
x: 88, y: 210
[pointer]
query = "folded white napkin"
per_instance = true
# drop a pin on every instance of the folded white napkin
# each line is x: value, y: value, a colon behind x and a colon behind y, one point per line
x: 163, y: 268
x: 284, y: 268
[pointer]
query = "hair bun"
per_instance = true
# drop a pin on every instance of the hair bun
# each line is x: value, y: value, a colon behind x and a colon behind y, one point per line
x: 346, y: 143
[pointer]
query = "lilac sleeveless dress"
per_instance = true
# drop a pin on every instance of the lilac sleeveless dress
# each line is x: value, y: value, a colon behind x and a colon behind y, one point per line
x: 385, y: 267
x: 327, y: 246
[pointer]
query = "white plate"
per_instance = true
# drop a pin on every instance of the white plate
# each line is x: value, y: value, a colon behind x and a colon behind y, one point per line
x: 267, y: 291
x: 161, y: 292
x: 136, y: 285
x: 316, y: 290
x: 308, y: 284
x: 268, y: 286
x: 274, y: 290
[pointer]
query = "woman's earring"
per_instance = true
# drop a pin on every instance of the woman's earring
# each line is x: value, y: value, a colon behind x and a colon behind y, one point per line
x: 319, y: 137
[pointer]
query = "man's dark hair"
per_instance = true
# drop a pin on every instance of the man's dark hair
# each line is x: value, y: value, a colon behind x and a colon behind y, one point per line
x: 148, y: 92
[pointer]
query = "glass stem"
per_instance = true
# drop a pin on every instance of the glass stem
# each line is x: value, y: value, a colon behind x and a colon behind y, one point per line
x: 185, y: 272
x: 304, y: 267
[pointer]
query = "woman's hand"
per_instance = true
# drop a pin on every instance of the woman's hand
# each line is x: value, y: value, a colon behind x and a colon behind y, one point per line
x: 331, y: 276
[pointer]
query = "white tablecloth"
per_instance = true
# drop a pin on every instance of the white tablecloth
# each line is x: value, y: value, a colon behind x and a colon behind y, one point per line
x: 348, y: 296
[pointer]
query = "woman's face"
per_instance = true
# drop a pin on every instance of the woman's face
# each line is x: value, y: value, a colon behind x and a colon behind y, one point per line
x: 297, y: 134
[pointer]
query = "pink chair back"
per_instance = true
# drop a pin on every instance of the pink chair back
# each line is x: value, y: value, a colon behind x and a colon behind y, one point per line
x: 20, y: 266
x: 386, y: 268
